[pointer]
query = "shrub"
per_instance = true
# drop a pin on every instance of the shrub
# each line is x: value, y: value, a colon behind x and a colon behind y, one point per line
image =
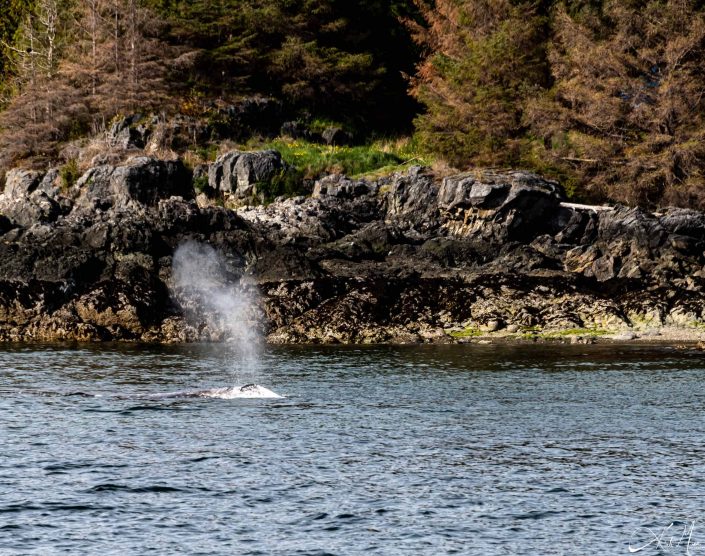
x: 288, y: 184
x: 200, y: 183
x: 69, y: 174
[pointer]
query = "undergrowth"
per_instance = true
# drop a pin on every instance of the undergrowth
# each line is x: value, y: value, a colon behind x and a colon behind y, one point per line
x: 314, y: 160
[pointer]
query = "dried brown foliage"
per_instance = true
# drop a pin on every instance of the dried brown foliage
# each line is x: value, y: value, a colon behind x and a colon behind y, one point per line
x: 626, y: 116
x: 485, y: 57
x: 113, y: 62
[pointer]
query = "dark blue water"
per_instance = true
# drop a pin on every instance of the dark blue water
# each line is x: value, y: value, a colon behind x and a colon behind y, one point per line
x: 427, y: 450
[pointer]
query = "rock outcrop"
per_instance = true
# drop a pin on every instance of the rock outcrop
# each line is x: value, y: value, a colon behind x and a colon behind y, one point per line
x: 142, y: 181
x: 24, y: 202
x: 239, y: 174
x: 405, y: 258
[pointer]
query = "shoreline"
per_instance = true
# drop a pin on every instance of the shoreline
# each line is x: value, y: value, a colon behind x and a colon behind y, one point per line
x: 132, y: 254
x: 667, y: 337
x: 662, y: 335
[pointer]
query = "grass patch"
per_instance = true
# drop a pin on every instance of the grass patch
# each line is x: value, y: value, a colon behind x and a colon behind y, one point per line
x: 576, y: 332
x: 313, y: 160
x: 286, y: 184
x: 207, y: 153
x: 470, y: 332
x: 319, y: 125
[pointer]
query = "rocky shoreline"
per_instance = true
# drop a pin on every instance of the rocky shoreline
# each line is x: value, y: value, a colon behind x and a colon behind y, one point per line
x: 408, y: 258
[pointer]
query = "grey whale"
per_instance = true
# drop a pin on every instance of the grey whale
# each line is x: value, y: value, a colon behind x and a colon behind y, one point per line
x: 248, y: 391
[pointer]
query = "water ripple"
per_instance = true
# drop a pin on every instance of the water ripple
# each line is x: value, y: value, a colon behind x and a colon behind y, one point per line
x: 395, y: 451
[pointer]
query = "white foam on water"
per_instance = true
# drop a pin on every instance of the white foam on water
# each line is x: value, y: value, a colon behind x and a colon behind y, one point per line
x: 251, y: 391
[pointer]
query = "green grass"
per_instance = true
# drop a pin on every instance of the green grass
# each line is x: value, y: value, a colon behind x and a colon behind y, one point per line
x: 470, y: 332
x: 319, y: 125
x: 313, y: 160
x: 207, y: 153
x: 535, y: 332
x: 286, y: 184
x: 576, y: 332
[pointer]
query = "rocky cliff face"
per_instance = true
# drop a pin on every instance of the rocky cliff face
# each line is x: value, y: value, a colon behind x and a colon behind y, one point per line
x: 405, y: 258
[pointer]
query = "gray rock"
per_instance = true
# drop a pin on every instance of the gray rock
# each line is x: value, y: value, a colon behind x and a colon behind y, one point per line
x: 20, y: 183
x: 238, y: 173
x: 337, y: 185
x: 127, y: 133
x: 499, y: 206
x: 411, y: 201
x: 605, y: 268
x: 361, y: 261
x: 141, y: 181
x: 25, y: 203
x: 624, y: 337
x: 37, y: 208
x: 685, y: 222
x: 50, y: 183
x: 496, y: 190
x: 336, y: 136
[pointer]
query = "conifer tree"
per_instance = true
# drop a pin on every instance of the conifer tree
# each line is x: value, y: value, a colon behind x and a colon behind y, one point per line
x: 114, y: 63
x: 485, y: 59
x: 626, y: 117
x: 329, y: 57
x: 12, y: 14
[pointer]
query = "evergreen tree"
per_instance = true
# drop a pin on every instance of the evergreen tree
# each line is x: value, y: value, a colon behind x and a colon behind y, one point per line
x: 626, y: 117
x: 485, y: 59
x: 12, y: 14
x: 331, y: 58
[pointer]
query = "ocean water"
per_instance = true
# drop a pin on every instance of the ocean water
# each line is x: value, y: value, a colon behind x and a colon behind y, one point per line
x: 381, y: 450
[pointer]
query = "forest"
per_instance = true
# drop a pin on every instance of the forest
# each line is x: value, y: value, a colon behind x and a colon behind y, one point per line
x: 606, y: 96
